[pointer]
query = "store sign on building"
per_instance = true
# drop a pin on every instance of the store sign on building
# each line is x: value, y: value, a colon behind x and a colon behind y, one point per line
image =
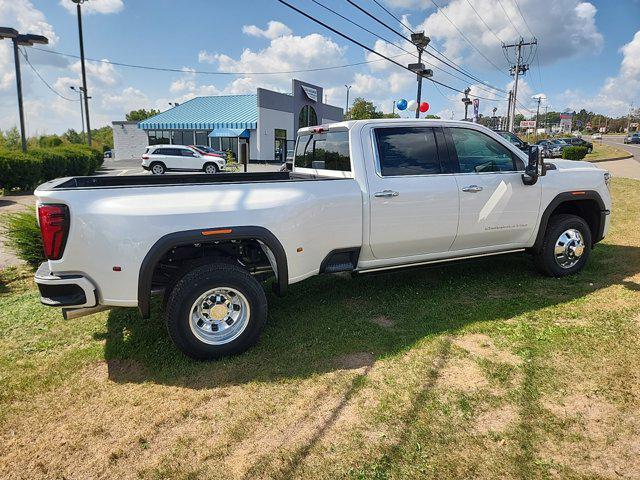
x: 311, y: 93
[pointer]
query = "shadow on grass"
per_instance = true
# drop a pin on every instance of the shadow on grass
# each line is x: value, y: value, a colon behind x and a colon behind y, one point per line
x: 323, y: 319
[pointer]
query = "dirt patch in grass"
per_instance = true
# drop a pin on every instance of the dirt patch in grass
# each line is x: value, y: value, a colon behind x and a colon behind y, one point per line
x: 354, y: 361
x: 463, y: 375
x: 496, y: 420
x: 383, y: 321
x: 481, y: 346
x: 598, y: 438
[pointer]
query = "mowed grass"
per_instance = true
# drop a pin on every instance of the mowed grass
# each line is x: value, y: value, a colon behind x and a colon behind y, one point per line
x: 476, y: 370
x: 602, y: 151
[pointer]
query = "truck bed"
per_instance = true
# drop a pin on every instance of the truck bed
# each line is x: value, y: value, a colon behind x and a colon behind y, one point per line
x: 106, y: 181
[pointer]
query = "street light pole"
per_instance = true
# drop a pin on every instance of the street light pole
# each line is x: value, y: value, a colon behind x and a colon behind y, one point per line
x: 26, y: 40
x: 84, y: 73
x: 346, y: 110
x: 420, y: 40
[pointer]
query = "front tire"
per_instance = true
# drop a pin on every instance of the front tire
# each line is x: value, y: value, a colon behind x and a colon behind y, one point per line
x: 565, y: 247
x: 216, y: 310
x: 210, y: 168
x: 157, y: 168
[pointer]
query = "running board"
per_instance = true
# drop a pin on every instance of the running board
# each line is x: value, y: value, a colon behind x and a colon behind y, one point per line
x: 443, y: 260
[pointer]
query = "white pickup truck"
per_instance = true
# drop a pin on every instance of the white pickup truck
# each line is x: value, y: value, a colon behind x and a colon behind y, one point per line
x: 363, y: 196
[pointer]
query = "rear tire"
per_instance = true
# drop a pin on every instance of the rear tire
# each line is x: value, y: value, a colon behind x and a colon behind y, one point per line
x: 216, y: 310
x: 565, y: 247
x: 157, y: 168
x: 210, y: 168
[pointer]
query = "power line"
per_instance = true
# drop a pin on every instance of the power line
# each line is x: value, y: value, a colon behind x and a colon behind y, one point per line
x: 346, y: 37
x: 485, y: 23
x: 509, y: 18
x: 390, y: 13
x: 209, y: 72
x: 43, y: 80
x: 466, y: 39
x: 523, y: 18
x: 397, y: 46
x: 450, y: 63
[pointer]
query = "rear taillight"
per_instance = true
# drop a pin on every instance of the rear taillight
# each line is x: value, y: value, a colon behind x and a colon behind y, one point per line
x: 145, y: 157
x: 54, y: 226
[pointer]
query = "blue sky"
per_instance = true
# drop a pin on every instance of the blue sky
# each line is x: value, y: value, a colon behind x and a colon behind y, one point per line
x: 589, y: 53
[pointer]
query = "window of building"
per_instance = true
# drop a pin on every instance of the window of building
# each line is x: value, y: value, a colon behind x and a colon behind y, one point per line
x: 324, y: 151
x: 307, y: 117
x: 280, y: 144
x: 202, y: 137
x: 479, y: 153
x: 407, y: 151
x: 158, y: 137
x: 182, y: 137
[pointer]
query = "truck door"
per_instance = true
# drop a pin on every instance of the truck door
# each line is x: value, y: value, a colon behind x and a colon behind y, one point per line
x: 413, y: 194
x: 496, y: 207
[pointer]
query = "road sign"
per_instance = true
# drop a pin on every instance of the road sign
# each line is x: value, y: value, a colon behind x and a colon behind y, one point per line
x: 527, y: 123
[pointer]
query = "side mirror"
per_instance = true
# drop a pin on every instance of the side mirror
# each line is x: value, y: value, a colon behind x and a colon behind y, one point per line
x: 535, y: 168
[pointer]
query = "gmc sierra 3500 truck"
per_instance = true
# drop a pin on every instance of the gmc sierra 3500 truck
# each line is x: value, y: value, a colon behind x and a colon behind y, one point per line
x: 363, y: 196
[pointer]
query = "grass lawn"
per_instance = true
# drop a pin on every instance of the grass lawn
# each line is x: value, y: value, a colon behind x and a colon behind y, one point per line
x: 476, y: 370
x: 602, y: 151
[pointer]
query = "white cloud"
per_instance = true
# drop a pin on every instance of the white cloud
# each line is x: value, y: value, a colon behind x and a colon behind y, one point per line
x: 128, y: 99
x: 572, y: 31
x: 206, y: 57
x: 274, y: 30
x: 617, y: 92
x: 95, y: 6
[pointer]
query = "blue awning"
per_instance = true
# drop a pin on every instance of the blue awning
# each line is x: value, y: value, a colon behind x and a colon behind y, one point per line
x: 230, y: 132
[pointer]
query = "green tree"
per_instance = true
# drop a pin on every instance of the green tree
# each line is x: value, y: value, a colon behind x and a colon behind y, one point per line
x: 141, y: 114
x: 430, y: 115
x: 72, y: 136
x: 46, y: 141
x: 362, y: 109
x: 12, y: 138
x: 103, y: 137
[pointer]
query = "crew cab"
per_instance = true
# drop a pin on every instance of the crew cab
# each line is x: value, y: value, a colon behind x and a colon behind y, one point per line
x: 179, y: 158
x: 364, y: 196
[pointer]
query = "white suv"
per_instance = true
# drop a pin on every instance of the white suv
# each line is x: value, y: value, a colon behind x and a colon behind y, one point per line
x: 161, y: 158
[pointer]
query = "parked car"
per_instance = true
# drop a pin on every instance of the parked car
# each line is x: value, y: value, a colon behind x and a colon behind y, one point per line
x: 513, y: 139
x: 596, y: 136
x: 579, y: 142
x: 107, y: 154
x: 548, y: 149
x: 179, y: 158
x: 364, y: 196
x: 632, y: 138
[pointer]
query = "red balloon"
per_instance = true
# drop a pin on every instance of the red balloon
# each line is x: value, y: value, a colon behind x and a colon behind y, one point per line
x: 424, y: 106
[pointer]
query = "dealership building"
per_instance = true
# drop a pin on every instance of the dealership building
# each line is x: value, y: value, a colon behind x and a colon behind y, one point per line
x: 258, y: 127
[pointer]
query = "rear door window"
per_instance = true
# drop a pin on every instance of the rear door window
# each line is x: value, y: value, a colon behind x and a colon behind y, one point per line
x: 324, y: 151
x: 407, y: 151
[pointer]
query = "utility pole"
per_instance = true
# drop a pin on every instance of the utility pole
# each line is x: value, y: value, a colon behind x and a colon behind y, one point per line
x: 539, y: 99
x: 629, y: 118
x: 84, y: 72
x: 79, y: 90
x: 467, y: 101
x: 21, y: 40
x: 420, y: 40
x: 515, y: 71
x: 494, y: 119
x: 346, y: 109
x: 393, y: 109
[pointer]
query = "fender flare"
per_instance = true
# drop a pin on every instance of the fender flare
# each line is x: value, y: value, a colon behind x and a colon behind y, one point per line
x: 167, y: 242
x: 571, y: 197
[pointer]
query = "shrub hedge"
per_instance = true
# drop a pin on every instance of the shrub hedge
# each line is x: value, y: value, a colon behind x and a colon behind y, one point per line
x: 26, y: 170
x: 574, y: 153
x: 23, y: 236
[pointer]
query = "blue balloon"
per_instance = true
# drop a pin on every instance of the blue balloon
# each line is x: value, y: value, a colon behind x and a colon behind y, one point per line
x: 402, y: 104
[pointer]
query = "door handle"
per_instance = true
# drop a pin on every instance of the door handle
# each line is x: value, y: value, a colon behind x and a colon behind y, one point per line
x: 386, y: 193
x: 472, y: 189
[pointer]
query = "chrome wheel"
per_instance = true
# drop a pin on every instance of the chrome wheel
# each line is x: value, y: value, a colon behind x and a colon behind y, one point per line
x: 569, y: 248
x: 157, y: 169
x: 210, y: 169
x: 219, y: 315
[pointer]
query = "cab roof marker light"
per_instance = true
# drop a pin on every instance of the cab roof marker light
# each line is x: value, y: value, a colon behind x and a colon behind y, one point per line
x: 221, y: 231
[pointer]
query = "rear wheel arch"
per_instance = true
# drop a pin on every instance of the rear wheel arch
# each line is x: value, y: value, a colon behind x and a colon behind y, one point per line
x: 190, y: 237
x: 587, y: 204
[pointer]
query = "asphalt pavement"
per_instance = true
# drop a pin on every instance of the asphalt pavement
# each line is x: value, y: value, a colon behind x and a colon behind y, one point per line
x: 630, y: 167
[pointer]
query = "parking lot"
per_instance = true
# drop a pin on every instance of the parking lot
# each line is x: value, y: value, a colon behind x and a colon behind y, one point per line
x: 132, y: 167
